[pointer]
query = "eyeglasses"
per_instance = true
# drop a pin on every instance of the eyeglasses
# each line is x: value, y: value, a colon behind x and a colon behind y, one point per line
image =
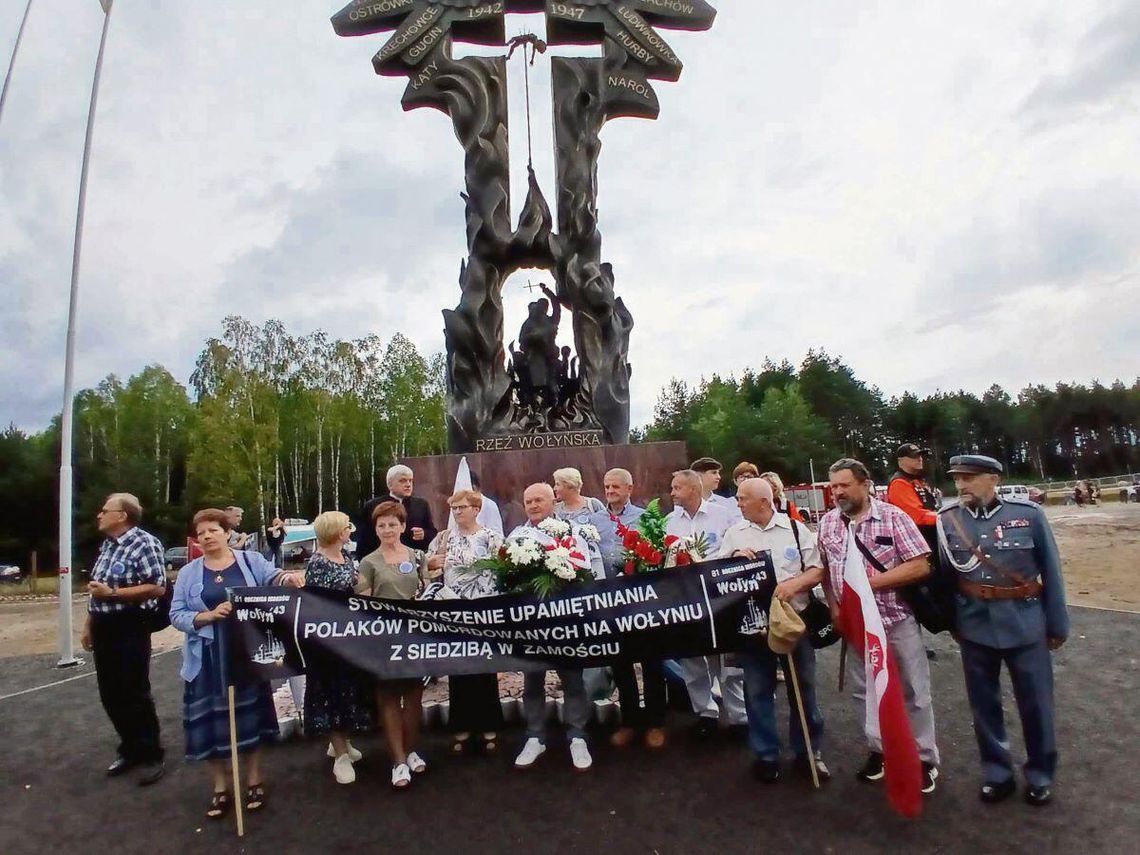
x: 461, y: 507
x: 110, y: 511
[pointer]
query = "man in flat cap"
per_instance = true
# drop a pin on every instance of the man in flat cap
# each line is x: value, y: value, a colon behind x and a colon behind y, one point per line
x: 1011, y: 609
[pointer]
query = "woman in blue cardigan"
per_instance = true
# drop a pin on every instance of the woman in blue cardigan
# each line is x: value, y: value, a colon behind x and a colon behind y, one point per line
x: 200, y: 602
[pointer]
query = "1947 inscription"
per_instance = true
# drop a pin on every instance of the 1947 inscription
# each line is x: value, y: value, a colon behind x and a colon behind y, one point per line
x: 529, y: 442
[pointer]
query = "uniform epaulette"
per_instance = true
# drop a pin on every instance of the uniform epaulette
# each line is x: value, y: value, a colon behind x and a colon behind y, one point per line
x: 954, y: 503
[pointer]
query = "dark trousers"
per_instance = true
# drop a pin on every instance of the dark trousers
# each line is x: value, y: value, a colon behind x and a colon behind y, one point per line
x: 653, y: 683
x: 1031, y: 672
x: 121, y: 644
x: 473, y: 703
x: 759, y: 667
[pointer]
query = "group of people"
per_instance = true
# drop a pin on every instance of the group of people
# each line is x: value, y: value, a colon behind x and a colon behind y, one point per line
x: 1000, y: 553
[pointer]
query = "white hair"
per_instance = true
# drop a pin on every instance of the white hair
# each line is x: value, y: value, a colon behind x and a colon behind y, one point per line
x: 569, y: 476
x: 692, y: 478
x: 621, y: 475
x: 397, y: 471
x: 775, y: 480
x: 129, y: 505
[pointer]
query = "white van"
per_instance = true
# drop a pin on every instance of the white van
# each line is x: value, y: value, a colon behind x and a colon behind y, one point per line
x: 1014, y: 491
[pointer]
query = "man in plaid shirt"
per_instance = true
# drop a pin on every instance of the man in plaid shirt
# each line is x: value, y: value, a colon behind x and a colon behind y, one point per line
x: 891, y: 536
x: 128, y: 578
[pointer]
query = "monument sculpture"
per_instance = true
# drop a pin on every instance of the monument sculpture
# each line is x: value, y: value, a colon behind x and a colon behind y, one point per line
x: 539, y: 389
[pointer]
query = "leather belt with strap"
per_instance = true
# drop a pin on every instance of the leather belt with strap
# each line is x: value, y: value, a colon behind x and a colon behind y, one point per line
x: 1000, y: 592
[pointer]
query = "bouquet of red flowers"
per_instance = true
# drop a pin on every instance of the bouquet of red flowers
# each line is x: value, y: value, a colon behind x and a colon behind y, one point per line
x: 648, y: 548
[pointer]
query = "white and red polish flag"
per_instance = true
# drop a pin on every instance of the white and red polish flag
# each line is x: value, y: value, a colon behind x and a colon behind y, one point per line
x: 862, y: 626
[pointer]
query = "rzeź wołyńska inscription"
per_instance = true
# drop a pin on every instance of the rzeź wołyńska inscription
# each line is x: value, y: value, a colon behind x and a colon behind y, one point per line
x: 710, y: 607
x: 529, y: 442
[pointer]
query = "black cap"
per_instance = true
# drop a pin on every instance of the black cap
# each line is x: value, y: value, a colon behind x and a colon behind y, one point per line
x: 909, y: 449
x: 974, y: 464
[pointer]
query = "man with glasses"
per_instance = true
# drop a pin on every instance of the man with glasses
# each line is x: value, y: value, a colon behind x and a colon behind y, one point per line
x: 125, y: 587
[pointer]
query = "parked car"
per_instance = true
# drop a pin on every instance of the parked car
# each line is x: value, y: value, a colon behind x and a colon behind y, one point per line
x: 1014, y: 491
x: 1129, y: 492
x: 177, y: 557
x: 10, y: 573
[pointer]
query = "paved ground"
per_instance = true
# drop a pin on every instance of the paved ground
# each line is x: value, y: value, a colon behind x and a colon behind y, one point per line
x: 688, y: 798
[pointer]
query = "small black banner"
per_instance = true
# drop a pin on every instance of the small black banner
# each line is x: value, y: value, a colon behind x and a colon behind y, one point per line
x: 704, y: 608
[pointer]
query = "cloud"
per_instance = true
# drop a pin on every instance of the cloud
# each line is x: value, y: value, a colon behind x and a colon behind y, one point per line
x: 1103, y: 67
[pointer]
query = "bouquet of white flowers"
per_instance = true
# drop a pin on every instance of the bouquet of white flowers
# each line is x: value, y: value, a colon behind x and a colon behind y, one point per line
x: 527, y: 565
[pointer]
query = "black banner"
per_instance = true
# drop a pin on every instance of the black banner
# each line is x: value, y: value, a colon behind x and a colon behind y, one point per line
x: 710, y: 607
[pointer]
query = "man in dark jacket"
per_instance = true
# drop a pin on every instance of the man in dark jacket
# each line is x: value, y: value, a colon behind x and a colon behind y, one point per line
x: 420, y: 530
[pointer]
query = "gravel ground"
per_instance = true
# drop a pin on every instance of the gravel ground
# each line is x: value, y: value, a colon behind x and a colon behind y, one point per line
x: 688, y: 798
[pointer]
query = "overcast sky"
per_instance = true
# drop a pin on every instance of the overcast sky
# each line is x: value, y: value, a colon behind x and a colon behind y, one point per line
x: 944, y: 195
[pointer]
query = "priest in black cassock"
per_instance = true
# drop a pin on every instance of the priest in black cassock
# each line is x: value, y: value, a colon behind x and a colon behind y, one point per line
x: 419, y: 532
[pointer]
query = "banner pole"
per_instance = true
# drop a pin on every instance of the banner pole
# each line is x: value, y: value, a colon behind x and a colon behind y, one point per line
x: 842, y: 662
x: 803, y: 720
x: 234, y: 765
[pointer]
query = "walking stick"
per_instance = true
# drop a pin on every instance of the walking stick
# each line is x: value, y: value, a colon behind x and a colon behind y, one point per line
x: 234, y: 765
x: 842, y: 662
x: 803, y: 720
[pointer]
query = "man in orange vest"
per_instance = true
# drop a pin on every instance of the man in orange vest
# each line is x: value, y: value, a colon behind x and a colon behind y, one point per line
x: 909, y: 492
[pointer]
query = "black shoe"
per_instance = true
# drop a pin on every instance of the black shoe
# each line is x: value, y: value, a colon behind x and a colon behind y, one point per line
x: 821, y: 770
x: 929, y: 778
x: 151, y: 772
x: 872, y: 770
x: 993, y: 793
x: 120, y: 767
x: 705, y: 728
x: 767, y: 771
x: 1038, y: 796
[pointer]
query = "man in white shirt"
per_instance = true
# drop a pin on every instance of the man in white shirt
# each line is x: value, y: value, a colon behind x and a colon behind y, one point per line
x: 692, y: 516
x: 709, y: 469
x: 538, y: 502
x: 799, y: 568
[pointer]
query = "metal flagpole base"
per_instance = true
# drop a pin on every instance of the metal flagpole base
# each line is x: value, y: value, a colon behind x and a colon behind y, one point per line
x: 69, y: 663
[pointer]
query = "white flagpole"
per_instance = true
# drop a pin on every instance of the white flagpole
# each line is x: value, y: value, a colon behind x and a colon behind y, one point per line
x: 12, y: 63
x: 66, y: 644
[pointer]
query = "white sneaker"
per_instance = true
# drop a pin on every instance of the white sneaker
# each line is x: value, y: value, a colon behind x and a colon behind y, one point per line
x: 580, y: 754
x: 401, y: 776
x: 532, y: 750
x: 416, y: 763
x: 352, y: 753
x: 343, y: 771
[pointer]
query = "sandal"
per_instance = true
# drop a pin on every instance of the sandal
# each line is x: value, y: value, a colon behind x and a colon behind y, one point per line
x: 490, y: 745
x: 219, y: 805
x: 401, y: 776
x: 460, y: 743
x: 254, y: 797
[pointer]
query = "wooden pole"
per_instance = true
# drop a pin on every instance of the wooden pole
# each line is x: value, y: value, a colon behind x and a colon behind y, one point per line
x: 238, y: 801
x: 842, y: 662
x: 803, y: 719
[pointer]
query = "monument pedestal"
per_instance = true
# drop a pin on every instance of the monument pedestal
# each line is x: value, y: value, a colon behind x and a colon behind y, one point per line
x: 506, y: 474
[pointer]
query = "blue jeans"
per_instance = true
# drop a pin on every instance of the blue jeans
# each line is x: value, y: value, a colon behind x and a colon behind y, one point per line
x: 760, y: 701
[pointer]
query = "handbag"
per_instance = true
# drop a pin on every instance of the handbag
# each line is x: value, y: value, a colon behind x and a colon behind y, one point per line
x: 932, y: 606
x: 821, y: 631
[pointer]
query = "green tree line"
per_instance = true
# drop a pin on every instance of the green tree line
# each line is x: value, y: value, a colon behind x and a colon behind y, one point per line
x: 789, y: 418
x: 278, y: 424
x: 290, y: 425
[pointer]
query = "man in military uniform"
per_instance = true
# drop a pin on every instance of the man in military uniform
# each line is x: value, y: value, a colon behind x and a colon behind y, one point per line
x: 1011, y: 609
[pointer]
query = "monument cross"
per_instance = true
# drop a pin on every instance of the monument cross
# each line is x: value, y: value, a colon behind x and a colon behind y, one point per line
x: 587, y: 92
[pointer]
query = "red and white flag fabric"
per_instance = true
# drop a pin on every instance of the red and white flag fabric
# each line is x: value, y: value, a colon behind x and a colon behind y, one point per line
x: 886, y: 717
